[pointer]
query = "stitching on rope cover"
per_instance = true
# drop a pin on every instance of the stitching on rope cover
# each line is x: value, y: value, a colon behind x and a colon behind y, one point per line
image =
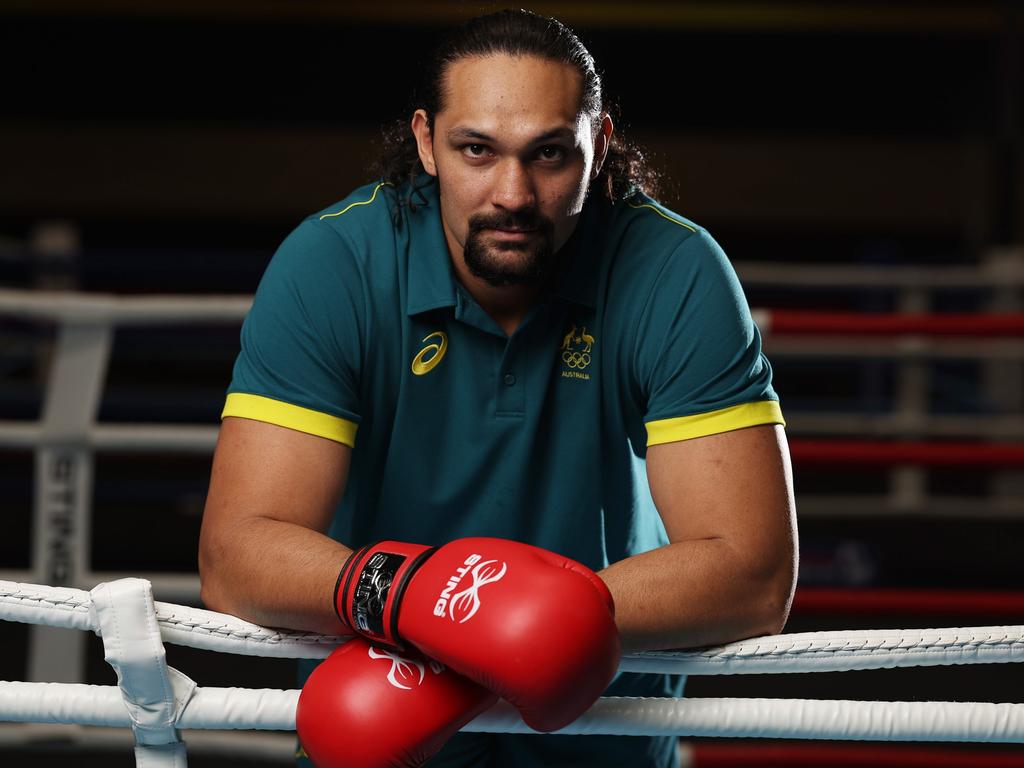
x: 854, y: 649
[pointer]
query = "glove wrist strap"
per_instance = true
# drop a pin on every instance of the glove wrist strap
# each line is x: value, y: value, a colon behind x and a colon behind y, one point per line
x: 370, y: 588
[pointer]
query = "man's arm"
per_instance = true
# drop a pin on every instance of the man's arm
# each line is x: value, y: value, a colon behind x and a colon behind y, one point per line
x: 263, y: 550
x: 730, y: 568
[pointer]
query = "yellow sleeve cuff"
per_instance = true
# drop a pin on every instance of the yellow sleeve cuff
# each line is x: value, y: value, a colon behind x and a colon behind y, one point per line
x: 714, y: 422
x: 295, y: 417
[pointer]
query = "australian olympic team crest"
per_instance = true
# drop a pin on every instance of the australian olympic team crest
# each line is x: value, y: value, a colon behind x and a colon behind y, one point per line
x: 576, y: 353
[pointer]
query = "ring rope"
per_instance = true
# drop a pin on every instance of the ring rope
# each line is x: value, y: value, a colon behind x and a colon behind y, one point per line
x: 208, y: 708
x: 181, y: 625
x: 237, y: 708
x: 882, y: 453
x: 784, y: 719
x: 153, y: 310
x: 975, y: 324
x: 908, y: 602
x: 798, y: 652
x: 234, y: 708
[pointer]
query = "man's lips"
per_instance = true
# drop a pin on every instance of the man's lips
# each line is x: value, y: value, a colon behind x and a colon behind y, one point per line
x: 511, y: 234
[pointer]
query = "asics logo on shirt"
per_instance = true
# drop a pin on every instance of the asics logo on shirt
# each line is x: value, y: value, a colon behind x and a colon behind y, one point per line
x: 432, y: 354
x: 462, y: 606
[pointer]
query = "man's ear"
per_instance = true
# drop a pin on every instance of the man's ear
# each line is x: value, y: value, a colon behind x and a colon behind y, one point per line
x: 602, y: 140
x: 424, y: 140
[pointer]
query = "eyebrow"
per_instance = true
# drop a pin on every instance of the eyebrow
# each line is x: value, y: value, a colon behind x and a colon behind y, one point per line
x: 464, y: 133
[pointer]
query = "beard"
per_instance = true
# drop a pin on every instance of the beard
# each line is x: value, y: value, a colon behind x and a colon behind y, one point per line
x: 500, y: 263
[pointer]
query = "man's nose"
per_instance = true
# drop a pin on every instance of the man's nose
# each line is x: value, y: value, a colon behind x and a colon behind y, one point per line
x: 513, y: 189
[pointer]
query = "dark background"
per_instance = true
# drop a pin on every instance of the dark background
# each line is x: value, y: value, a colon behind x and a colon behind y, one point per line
x: 180, y: 142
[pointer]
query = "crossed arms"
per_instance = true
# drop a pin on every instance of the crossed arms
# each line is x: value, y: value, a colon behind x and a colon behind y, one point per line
x: 726, y: 501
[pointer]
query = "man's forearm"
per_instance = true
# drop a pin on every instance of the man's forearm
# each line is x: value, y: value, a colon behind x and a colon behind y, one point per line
x: 273, y: 573
x: 696, y: 593
x: 686, y: 594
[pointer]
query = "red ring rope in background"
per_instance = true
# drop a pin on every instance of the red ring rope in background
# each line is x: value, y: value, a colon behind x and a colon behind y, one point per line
x: 712, y: 755
x: 909, y: 602
x: 935, y: 454
x: 780, y: 321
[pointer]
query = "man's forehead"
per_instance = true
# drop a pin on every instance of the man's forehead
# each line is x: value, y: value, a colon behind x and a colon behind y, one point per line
x: 503, y: 90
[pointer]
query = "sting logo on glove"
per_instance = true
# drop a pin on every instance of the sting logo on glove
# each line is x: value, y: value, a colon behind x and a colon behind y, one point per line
x: 402, y: 666
x: 466, y: 603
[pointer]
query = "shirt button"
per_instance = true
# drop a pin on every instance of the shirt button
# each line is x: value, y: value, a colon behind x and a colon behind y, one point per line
x: 510, y: 379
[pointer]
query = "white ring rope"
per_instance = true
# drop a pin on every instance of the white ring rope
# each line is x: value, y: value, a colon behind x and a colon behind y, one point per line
x: 784, y: 719
x: 107, y: 308
x: 179, y: 624
x: 209, y: 708
x: 838, y: 651
x: 841, y: 651
x: 237, y: 708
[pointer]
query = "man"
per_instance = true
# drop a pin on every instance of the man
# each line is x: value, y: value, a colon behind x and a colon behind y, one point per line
x: 505, y: 337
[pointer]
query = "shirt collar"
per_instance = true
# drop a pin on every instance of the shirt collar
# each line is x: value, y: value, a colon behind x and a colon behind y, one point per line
x: 431, y: 279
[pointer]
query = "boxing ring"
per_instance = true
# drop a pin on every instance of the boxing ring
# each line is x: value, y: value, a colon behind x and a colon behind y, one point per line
x: 154, y: 702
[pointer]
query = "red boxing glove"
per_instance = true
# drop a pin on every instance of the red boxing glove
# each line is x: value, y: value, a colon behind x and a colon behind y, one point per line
x: 536, y: 628
x: 365, y: 707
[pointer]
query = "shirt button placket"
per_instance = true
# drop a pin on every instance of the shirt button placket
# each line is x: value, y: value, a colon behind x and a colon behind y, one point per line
x: 511, y: 399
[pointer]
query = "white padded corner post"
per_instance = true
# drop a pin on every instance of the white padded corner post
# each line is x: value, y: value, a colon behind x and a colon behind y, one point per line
x: 154, y: 693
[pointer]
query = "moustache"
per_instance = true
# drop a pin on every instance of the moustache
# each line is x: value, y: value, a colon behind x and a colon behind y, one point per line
x: 516, y: 222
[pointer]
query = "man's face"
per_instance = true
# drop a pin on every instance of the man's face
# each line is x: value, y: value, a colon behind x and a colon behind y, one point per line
x: 513, y: 156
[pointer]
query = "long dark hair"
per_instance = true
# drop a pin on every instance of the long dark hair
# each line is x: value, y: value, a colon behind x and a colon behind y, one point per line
x: 514, y: 33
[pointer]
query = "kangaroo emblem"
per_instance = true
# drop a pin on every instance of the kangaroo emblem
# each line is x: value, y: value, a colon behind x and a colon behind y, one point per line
x: 567, y: 339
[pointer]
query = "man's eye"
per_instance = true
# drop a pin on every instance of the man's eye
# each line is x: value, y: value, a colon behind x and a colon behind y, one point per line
x: 475, y: 150
x: 551, y: 153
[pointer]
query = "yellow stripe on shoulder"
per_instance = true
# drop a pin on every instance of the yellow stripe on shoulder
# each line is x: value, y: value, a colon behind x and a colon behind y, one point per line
x: 662, y: 214
x: 714, y: 422
x: 361, y: 202
x: 265, y: 409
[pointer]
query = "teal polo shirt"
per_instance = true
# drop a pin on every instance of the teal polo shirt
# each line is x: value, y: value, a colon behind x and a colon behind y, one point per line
x: 361, y: 333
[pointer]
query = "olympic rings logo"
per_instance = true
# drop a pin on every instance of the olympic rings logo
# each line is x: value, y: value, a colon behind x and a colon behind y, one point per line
x: 576, y: 359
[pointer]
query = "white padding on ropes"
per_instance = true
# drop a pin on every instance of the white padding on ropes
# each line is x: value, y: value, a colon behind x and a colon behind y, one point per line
x: 40, y: 604
x: 153, y: 693
x: 806, y: 652
x: 234, y: 708
x: 841, y: 652
x: 218, y: 708
x: 784, y: 719
x: 212, y: 631
x: 179, y: 624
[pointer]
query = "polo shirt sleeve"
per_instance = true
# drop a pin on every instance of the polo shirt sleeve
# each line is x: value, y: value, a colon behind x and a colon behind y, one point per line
x: 302, y: 341
x: 699, y: 357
